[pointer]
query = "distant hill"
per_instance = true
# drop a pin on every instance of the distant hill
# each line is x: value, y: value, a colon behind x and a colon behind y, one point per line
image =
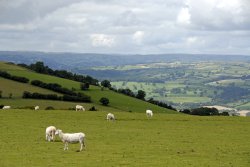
x: 118, y: 102
x: 70, y: 61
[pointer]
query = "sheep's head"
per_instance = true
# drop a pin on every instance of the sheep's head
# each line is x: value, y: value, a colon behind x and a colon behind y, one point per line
x: 58, y: 131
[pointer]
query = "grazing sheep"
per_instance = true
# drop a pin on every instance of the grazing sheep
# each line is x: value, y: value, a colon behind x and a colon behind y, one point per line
x: 110, y: 116
x: 71, y: 138
x: 50, y: 133
x: 6, y: 107
x: 79, y: 108
x: 149, y: 113
x: 36, y: 107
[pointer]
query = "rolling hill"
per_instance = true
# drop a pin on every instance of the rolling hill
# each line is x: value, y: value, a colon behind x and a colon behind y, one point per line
x: 118, y: 102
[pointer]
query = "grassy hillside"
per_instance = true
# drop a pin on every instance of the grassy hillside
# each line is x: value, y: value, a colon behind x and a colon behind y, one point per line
x: 117, y: 101
x: 133, y: 140
x: 17, y: 88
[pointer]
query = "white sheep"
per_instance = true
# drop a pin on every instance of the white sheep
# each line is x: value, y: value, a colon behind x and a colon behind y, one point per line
x: 50, y: 133
x: 79, y: 108
x: 36, y: 107
x: 6, y: 107
x: 110, y: 116
x: 149, y: 113
x: 71, y: 138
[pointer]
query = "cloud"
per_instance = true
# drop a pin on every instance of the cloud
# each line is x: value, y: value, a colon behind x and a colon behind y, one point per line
x: 138, y: 37
x: 183, y: 17
x: 102, y: 40
x: 159, y: 26
x: 216, y: 15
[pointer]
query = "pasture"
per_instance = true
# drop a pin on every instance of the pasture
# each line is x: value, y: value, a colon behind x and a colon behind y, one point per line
x: 117, y: 101
x: 174, y: 140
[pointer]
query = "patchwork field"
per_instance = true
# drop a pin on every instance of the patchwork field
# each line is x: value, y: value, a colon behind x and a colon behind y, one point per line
x: 132, y: 140
x: 192, y: 84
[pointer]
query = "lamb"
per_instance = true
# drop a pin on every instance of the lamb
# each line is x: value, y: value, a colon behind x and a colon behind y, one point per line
x: 6, y: 107
x: 110, y: 116
x: 50, y: 133
x: 79, y: 107
x: 149, y: 113
x: 36, y: 107
x: 71, y: 138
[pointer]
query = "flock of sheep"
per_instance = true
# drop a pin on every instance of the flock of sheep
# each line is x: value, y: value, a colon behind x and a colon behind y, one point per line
x: 67, y: 138
x: 79, y: 137
x: 8, y: 107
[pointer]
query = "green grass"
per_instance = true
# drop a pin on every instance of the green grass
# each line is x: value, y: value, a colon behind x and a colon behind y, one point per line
x: 132, y: 140
x: 151, y: 89
x: 17, y: 88
x: 117, y: 101
x: 184, y: 99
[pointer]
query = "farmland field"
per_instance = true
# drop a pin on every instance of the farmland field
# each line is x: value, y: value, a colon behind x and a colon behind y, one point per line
x: 132, y: 140
x: 117, y: 101
x: 190, y: 84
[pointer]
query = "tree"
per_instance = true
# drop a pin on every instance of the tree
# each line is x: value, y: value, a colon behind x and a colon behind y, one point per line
x: 141, y: 94
x: 84, y: 86
x: 106, y: 84
x: 104, y: 101
x: 38, y: 67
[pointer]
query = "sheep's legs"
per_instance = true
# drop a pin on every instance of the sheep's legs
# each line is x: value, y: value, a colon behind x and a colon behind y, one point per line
x: 66, y: 146
x: 53, y: 137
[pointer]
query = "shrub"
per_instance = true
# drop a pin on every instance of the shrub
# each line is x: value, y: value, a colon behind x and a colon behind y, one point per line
x: 84, y: 86
x: 203, y: 111
x: 49, y: 108
x: 104, y: 101
x: 106, y: 84
x: 93, y: 108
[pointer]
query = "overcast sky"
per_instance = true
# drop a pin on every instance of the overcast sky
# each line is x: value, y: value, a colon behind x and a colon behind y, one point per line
x: 126, y: 27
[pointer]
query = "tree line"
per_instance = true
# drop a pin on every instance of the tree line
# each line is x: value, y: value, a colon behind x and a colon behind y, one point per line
x: 41, y: 68
x: 69, y: 95
x: 204, y: 111
x: 6, y: 75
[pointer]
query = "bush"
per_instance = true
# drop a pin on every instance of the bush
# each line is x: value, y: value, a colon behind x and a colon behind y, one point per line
x: 49, y: 108
x: 224, y: 113
x: 104, y: 101
x: 93, y: 108
x: 203, y: 111
x: 185, y: 111
x: 84, y: 86
x: 106, y: 84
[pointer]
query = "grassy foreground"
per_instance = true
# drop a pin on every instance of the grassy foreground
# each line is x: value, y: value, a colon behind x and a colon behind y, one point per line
x: 172, y: 140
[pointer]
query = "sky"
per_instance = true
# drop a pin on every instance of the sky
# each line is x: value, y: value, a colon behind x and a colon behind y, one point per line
x: 126, y: 27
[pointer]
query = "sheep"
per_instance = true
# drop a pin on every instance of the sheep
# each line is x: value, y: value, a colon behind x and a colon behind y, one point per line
x: 79, y: 107
x: 110, y: 116
x: 71, y: 138
x: 149, y: 113
x: 50, y: 133
x: 36, y: 107
x: 6, y: 107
